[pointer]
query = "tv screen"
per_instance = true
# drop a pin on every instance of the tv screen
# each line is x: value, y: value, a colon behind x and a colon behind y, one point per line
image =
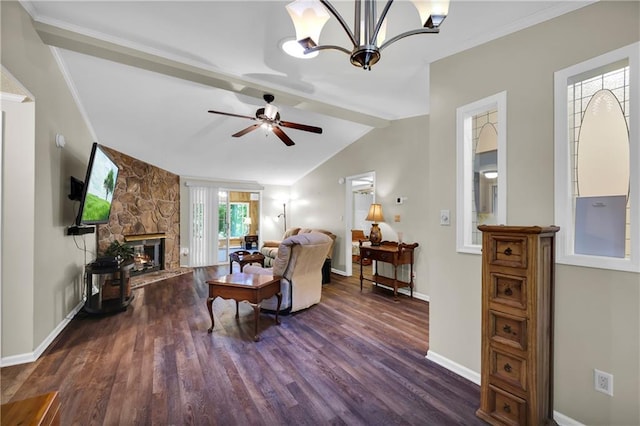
x: 99, y: 184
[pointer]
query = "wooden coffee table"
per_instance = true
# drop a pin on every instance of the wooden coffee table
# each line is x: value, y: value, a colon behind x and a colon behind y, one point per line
x: 252, y: 288
x: 244, y: 257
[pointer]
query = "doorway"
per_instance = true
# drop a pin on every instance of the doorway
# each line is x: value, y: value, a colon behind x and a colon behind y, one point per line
x: 359, y: 195
x: 238, y: 217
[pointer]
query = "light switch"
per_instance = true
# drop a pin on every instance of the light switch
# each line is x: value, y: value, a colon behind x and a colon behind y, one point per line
x: 445, y: 217
x: 396, y: 218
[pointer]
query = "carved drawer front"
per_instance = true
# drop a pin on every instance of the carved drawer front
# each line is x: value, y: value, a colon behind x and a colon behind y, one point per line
x: 508, y: 330
x: 508, y: 290
x: 508, y: 250
x: 508, y: 368
x: 506, y: 407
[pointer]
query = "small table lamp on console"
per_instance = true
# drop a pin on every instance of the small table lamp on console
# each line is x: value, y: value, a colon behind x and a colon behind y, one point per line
x: 375, y: 215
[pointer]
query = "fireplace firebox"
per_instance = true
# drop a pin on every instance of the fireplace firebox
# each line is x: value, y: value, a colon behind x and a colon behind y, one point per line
x: 148, y: 252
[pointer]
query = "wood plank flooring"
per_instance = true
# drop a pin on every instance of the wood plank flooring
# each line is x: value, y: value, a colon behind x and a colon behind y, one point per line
x: 354, y: 359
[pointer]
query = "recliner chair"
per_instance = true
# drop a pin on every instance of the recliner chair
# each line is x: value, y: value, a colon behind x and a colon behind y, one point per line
x: 299, y: 262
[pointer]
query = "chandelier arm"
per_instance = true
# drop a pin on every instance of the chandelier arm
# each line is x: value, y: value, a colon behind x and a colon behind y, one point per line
x: 344, y: 25
x: 379, y: 24
x: 409, y: 33
x: 357, y: 17
x: 326, y: 47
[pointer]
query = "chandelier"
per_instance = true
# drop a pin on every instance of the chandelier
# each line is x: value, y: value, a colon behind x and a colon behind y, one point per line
x: 368, y: 34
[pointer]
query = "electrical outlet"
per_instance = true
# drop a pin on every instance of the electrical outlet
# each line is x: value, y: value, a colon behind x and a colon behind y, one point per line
x: 445, y: 217
x: 603, y: 382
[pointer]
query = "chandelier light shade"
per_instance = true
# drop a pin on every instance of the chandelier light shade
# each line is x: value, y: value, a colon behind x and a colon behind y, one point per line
x: 375, y: 215
x: 368, y: 34
x: 308, y: 16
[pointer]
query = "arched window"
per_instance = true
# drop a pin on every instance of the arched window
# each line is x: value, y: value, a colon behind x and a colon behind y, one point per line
x: 596, y: 162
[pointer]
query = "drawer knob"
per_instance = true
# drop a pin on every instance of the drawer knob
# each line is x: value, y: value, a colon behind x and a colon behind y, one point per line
x: 508, y: 251
x: 508, y: 291
x: 506, y: 328
x: 507, y: 368
x: 506, y: 408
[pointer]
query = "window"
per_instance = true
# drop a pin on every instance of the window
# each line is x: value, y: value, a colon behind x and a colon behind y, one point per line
x: 481, y: 169
x: 237, y: 214
x: 597, y: 162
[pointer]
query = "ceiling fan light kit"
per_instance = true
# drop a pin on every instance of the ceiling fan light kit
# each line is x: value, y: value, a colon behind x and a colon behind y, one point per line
x: 368, y: 34
x: 269, y: 119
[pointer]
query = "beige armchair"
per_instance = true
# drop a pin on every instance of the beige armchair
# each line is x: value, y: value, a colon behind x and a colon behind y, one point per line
x: 270, y: 249
x: 299, y: 262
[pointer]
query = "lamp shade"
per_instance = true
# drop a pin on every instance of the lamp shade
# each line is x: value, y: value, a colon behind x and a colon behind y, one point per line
x: 434, y: 10
x: 375, y: 213
x: 247, y: 221
x: 308, y: 16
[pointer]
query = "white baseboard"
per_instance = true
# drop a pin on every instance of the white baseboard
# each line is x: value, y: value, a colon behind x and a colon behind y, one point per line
x: 474, y: 377
x: 563, y: 420
x: 459, y: 369
x: 33, y: 356
x: 404, y: 291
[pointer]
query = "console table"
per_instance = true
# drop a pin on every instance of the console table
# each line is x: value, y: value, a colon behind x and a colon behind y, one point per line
x: 393, y: 253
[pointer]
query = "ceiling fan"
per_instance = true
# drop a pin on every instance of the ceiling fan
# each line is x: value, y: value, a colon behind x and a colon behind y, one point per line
x: 269, y: 118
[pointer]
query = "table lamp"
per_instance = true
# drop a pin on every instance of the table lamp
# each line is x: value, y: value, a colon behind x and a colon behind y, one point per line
x: 375, y: 215
x: 247, y: 222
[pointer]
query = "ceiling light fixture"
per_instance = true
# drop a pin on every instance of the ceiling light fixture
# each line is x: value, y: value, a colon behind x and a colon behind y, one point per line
x: 367, y: 36
x: 291, y: 47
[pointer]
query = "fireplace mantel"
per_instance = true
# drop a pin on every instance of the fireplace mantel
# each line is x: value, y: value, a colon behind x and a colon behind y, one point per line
x: 142, y: 237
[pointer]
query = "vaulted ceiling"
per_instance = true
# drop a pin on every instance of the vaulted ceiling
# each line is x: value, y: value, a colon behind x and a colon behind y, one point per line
x: 145, y: 73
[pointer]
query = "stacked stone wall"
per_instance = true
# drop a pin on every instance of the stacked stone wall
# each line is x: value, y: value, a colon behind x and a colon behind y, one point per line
x: 146, y: 200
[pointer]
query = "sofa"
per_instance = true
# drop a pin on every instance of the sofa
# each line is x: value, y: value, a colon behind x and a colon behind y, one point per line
x: 270, y: 249
x: 299, y: 262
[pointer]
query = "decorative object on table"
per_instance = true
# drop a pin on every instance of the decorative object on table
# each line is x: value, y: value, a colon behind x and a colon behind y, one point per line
x: 375, y: 215
x: 369, y: 30
x: 119, y: 250
x: 269, y: 119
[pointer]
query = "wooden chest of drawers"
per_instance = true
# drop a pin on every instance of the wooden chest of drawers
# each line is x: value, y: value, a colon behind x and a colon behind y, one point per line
x: 517, y: 325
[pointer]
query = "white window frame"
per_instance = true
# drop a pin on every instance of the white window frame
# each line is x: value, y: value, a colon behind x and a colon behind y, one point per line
x: 464, y: 153
x: 562, y: 164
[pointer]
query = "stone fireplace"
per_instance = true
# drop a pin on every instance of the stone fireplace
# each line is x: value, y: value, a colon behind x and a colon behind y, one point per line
x: 146, y: 206
x: 148, y: 252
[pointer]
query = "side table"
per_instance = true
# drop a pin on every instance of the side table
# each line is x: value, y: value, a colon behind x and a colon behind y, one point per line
x: 244, y: 257
x: 391, y: 252
x: 103, y: 279
x: 249, y: 241
x: 252, y: 288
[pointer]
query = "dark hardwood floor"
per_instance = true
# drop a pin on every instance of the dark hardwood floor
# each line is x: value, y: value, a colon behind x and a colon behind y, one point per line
x: 354, y: 359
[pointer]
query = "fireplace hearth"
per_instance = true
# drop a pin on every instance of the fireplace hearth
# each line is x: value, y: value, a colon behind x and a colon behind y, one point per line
x: 148, y: 252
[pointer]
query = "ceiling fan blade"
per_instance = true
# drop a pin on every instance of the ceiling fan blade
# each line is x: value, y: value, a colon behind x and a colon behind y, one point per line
x: 298, y: 126
x: 245, y: 131
x: 279, y: 133
x: 231, y: 115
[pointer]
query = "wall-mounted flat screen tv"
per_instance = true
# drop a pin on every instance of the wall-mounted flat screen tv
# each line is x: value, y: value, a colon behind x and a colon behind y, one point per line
x: 99, y: 184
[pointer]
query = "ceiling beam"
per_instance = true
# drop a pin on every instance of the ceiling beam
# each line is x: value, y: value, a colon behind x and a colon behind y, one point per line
x: 71, y: 40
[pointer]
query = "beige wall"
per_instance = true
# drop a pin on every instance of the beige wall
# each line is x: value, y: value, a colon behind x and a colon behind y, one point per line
x: 597, y: 311
x: 398, y: 156
x: 51, y: 285
x: 18, y: 163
